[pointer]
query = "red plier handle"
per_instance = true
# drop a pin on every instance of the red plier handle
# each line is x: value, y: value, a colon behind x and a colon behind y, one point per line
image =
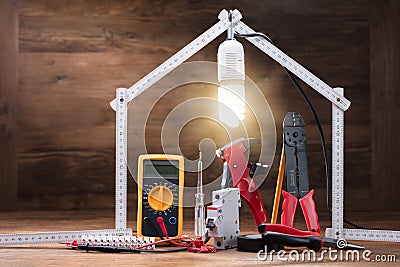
x: 240, y: 172
x: 308, y: 207
x: 251, y: 197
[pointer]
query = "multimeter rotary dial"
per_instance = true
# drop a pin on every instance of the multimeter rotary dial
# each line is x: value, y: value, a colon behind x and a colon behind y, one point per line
x: 160, y: 198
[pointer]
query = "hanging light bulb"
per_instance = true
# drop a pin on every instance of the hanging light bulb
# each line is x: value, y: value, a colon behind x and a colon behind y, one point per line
x: 231, y: 77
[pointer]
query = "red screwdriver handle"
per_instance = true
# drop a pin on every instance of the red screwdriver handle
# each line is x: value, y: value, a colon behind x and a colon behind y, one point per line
x: 288, y: 208
x: 310, y: 212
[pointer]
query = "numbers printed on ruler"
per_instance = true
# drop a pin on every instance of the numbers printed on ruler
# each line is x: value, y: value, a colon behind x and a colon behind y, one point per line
x: 372, y: 235
x: 337, y: 168
x: 61, y: 237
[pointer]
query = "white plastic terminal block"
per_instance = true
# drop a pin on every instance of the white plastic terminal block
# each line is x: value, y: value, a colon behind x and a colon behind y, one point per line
x: 223, y: 217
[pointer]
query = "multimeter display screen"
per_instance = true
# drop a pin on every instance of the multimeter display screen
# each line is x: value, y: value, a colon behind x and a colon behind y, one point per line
x: 160, y: 168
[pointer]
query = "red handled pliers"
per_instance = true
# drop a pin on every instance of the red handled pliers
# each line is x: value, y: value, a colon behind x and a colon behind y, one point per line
x: 238, y: 173
x: 296, y: 173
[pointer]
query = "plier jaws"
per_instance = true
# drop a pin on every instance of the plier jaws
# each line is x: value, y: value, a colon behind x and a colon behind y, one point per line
x: 246, y: 142
x: 296, y: 155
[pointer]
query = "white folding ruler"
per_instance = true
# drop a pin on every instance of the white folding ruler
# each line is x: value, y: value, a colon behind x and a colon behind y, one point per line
x: 337, y: 230
x: 121, y: 171
x: 265, y: 46
x: 61, y: 237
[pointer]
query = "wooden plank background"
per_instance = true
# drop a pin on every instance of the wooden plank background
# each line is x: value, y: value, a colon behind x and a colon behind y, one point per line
x: 74, y: 54
x: 385, y: 96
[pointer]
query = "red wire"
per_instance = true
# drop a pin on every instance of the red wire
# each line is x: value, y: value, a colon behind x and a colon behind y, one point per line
x: 160, y: 221
x: 165, y: 240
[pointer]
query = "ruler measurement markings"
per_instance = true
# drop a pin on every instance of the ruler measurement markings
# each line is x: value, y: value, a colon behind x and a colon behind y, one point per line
x: 121, y: 167
x: 59, y: 237
x: 372, y: 235
x: 337, y: 168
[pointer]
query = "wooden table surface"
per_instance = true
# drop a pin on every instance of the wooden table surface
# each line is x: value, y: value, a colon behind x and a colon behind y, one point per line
x: 58, y: 254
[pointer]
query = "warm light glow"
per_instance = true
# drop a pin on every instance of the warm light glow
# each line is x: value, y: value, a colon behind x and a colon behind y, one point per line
x: 231, y: 103
x: 230, y: 57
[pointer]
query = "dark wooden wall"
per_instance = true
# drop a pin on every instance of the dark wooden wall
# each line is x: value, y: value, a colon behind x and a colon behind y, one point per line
x: 8, y: 102
x: 74, y: 54
x: 385, y: 96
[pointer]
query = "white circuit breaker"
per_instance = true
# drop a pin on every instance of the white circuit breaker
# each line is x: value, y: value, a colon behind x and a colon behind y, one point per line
x: 223, y: 217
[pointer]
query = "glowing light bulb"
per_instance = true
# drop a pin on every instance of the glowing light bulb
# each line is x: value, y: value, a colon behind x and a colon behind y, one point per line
x: 231, y: 76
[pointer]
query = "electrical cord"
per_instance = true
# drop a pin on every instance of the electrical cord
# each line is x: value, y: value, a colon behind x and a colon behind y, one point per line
x: 162, y: 241
x: 164, y: 250
x: 207, y: 238
x: 113, y: 249
x: 160, y: 221
x: 316, y: 118
x: 185, y: 246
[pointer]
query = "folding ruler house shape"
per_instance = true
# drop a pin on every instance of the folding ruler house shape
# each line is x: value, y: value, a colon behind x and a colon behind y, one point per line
x: 123, y: 96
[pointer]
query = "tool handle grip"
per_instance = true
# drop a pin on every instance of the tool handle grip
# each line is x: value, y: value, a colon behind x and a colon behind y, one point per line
x: 283, y: 229
x: 310, y: 212
x: 311, y: 242
x: 288, y: 208
x: 234, y: 155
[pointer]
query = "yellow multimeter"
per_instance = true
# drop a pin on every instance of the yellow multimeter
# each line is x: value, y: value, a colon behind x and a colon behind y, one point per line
x: 160, y: 194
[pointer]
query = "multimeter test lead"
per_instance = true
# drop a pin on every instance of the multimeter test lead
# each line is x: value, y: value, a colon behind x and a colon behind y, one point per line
x: 199, y: 222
